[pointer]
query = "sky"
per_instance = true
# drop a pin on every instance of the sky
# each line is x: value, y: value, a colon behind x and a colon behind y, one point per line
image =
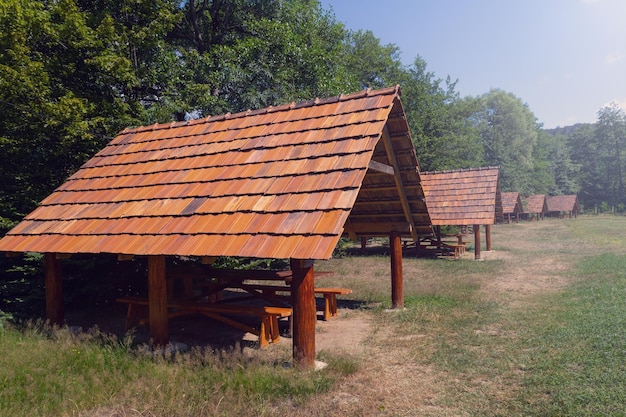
x: 565, y: 59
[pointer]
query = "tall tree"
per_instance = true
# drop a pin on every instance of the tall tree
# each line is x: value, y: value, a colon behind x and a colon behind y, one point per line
x: 442, y: 131
x: 611, y: 136
x: 509, y: 133
x: 585, y: 153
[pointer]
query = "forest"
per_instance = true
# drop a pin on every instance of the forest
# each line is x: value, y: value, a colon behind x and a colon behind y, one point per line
x: 73, y: 73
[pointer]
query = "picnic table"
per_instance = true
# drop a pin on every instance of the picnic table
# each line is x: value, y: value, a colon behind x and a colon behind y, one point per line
x: 201, y: 291
x: 271, y: 286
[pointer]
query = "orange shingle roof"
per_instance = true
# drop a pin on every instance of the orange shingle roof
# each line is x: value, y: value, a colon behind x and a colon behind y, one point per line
x: 558, y: 203
x: 512, y: 203
x: 536, y: 204
x: 463, y: 197
x: 277, y: 183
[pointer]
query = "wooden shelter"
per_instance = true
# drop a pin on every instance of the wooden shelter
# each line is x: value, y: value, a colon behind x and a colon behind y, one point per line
x: 465, y: 197
x: 512, y: 206
x: 562, y: 205
x: 535, y: 207
x: 280, y: 182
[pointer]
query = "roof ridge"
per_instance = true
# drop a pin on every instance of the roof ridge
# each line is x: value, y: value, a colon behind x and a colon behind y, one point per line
x: 368, y: 92
x: 447, y: 171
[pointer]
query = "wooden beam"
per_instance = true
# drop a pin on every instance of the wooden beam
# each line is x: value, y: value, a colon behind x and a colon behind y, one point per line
x: 397, y: 283
x: 374, y: 188
x: 304, y: 313
x: 367, y: 215
x: 476, y: 229
x: 54, y: 289
x: 122, y: 257
x: 376, y: 228
x: 391, y: 156
x: 377, y: 166
x: 488, y: 237
x: 157, y: 300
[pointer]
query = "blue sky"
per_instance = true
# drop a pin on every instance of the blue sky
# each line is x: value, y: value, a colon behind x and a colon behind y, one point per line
x: 566, y: 59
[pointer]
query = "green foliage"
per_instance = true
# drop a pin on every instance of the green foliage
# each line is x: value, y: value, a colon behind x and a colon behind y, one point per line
x: 598, y: 151
x: 509, y: 134
x: 442, y: 132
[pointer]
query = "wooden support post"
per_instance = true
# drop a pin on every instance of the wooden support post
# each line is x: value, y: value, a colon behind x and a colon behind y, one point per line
x: 438, y: 233
x: 304, y: 313
x: 363, y: 245
x: 54, y: 289
x: 476, y: 228
x: 157, y: 300
x: 397, y: 283
x: 488, y: 237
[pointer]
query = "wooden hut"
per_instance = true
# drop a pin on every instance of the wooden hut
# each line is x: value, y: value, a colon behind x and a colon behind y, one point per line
x: 281, y: 182
x: 512, y: 206
x: 465, y: 197
x: 562, y: 205
x: 535, y: 207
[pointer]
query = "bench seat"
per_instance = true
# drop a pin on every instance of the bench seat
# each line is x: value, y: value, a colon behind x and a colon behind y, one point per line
x: 267, y: 331
x: 330, y: 295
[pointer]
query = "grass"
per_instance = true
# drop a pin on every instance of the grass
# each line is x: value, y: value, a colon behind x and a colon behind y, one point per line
x: 537, y: 329
x: 50, y: 372
x: 581, y: 366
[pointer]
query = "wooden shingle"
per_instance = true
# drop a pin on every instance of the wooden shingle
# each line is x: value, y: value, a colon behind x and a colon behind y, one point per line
x: 280, y: 182
x: 536, y: 204
x: 560, y: 204
x: 463, y: 197
x: 512, y: 205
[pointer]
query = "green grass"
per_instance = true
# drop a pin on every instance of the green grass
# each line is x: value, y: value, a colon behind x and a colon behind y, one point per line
x: 560, y: 352
x: 580, y: 365
x: 562, y: 355
x: 51, y: 372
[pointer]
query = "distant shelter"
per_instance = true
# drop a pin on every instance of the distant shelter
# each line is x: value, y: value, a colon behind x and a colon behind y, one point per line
x: 563, y: 206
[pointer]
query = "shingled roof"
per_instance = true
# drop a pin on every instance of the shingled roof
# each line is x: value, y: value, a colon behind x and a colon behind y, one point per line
x: 512, y: 203
x: 536, y: 204
x: 562, y: 203
x: 279, y: 182
x: 463, y: 197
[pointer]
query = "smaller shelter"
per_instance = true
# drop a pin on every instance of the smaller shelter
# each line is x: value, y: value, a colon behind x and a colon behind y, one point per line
x: 562, y: 205
x: 512, y: 206
x: 464, y: 197
x: 535, y: 207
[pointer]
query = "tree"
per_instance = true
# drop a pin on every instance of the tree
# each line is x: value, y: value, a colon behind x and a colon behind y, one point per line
x: 509, y: 133
x: 611, y: 136
x: 584, y: 153
x: 370, y: 64
x: 442, y: 131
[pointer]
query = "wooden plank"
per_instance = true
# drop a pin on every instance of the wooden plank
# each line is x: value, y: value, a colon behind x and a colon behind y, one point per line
x: 375, y: 188
x: 377, y: 228
x: 398, y: 179
x: 54, y: 289
x: 380, y: 167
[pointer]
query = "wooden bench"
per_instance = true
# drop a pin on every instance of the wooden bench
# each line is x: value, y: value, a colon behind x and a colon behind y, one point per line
x: 268, y: 327
x: 269, y: 292
x: 455, y: 248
